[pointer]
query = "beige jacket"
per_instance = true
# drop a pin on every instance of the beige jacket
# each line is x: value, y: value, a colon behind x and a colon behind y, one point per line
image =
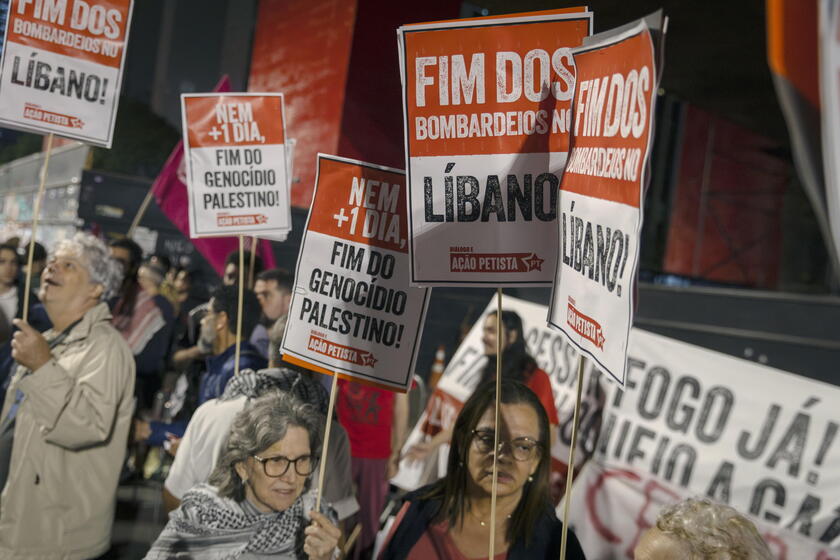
x: 69, y: 445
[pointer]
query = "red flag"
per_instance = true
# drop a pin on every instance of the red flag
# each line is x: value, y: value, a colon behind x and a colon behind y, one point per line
x: 170, y: 190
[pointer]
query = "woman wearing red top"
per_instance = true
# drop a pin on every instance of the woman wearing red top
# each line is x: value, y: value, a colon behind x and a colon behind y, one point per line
x: 517, y: 365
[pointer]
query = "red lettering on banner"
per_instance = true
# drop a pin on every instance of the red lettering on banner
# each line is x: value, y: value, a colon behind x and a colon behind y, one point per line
x: 592, y: 494
x: 494, y: 262
x: 642, y: 522
x: 36, y: 113
x: 585, y: 326
x: 226, y: 220
x: 441, y: 411
x: 341, y: 352
x: 774, y: 542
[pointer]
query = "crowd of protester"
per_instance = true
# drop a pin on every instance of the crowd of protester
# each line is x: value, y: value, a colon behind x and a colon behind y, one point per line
x: 120, y: 373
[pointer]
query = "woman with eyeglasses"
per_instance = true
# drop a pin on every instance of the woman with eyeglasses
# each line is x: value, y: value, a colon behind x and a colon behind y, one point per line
x: 450, y: 519
x: 258, y: 503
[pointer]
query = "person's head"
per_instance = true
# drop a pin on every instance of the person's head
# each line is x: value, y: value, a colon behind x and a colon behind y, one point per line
x: 150, y: 276
x: 162, y: 261
x: 697, y: 529
x: 39, y: 258
x: 274, y: 292
x: 513, y: 336
x: 79, y: 274
x: 128, y: 254
x: 9, y: 266
x: 271, y: 452
x: 523, y: 461
x: 183, y: 283
x: 231, y: 275
x: 218, y: 326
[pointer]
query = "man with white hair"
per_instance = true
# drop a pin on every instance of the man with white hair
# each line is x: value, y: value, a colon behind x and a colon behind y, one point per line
x: 65, y: 420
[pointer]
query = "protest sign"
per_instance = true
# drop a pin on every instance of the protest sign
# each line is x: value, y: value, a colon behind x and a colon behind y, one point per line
x: 487, y: 110
x: 62, y: 66
x: 236, y: 164
x: 829, y: 26
x: 352, y: 310
x: 694, y: 422
x: 600, y: 202
x: 553, y: 354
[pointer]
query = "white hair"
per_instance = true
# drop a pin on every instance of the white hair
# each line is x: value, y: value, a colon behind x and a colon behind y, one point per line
x: 712, y: 530
x: 95, y: 255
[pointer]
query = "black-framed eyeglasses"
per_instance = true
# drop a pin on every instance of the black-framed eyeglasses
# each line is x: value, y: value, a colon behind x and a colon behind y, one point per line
x: 275, y: 467
x: 521, y: 448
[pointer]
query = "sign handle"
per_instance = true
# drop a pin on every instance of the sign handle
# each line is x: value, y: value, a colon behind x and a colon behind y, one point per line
x: 498, y: 428
x: 239, y: 303
x: 36, y: 212
x: 570, y: 474
x: 251, y: 263
x: 140, y: 213
x: 322, y: 464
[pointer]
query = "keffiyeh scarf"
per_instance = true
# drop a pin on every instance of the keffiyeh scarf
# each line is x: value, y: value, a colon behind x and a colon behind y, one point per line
x: 210, y: 527
x: 252, y: 384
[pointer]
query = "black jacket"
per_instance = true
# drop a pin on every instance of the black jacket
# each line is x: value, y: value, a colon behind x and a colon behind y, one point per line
x: 545, y: 542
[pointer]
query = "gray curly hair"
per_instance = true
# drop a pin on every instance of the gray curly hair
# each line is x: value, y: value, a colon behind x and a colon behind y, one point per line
x: 261, y: 424
x: 712, y: 530
x: 95, y: 255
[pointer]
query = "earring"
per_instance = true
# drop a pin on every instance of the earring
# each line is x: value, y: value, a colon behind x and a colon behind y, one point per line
x: 530, y: 478
x: 460, y: 463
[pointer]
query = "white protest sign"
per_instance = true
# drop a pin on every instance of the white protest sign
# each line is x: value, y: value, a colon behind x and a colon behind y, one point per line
x: 236, y: 164
x: 601, y: 195
x: 694, y: 422
x: 487, y: 109
x: 62, y: 64
x: 553, y: 354
x: 352, y: 310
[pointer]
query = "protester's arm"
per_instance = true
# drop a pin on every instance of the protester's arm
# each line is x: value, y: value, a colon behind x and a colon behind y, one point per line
x: 76, y: 411
x: 186, y: 356
x: 421, y: 450
x: 399, y: 428
x: 170, y: 502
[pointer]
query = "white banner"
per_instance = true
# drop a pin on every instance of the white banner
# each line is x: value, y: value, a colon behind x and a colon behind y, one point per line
x: 62, y: 65
x: 235, y: 148
x: 352, y: 310
x: 487, y: 108
x: 553, y: 354
x: 693, y: 422
x: 601, y: 195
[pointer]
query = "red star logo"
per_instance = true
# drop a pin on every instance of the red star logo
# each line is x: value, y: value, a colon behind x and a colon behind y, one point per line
x: 262, y: 218
x: 368, y: 359
x: 533, y: 262
x: 601, y: 340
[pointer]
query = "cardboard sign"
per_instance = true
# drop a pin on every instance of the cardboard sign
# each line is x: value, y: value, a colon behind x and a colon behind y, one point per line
x: 601, y: 194
x: 694, y: 422
x: 61, y: 70
x: 237, y: 166
x: 352, y: 310
x: 553, y: 354
x: 487, y: 111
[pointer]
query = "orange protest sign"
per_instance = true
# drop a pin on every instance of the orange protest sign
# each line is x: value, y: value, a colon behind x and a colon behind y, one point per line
x: 487, y: 116
x: 61, y: 70
x: 352, y: 311
x: 236, y: 159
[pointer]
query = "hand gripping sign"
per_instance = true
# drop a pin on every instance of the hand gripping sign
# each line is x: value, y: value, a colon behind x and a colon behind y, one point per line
x: 61, y: 69
x: 600, y: 206
x: 237, y: 167
x: 487, y: 110
x: 352, y: 310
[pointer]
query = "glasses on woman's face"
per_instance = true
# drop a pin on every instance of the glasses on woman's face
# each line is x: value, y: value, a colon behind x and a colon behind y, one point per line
x: 277, y: 466
x: 521, y: 448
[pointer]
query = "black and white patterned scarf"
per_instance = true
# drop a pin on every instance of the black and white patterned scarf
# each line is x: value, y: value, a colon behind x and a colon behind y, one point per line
x: 253, y: 384
x: 208, y: 526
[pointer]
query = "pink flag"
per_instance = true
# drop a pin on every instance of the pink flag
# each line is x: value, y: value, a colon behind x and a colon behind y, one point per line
x: 170, y: 190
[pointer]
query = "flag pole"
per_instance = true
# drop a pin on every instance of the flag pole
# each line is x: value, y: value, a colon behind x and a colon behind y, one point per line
x: 36, y: 212
x: 498, y: 428
x: 239, y: 304
x: 570, y: 473
x: 322, y: 464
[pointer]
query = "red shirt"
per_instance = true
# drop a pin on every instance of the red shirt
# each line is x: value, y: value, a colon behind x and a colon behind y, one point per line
x: 367, y: 413
x: 540, y: 384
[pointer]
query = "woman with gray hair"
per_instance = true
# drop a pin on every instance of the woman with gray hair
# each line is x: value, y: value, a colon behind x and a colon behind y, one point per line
x: 259, y: 497
x: 698, y: 529
x: 66, y: 414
